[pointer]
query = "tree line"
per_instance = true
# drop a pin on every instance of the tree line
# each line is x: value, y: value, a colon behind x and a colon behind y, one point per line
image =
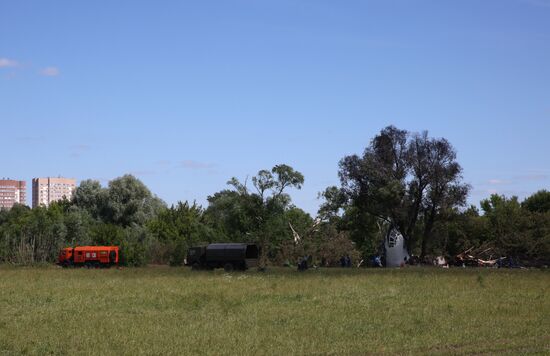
x: 409, y: 181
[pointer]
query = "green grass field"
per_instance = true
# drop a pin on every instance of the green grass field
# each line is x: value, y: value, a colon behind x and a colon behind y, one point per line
x: 162, y: 310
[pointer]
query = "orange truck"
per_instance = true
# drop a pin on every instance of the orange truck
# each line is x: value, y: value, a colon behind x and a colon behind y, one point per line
x: 89, y: 256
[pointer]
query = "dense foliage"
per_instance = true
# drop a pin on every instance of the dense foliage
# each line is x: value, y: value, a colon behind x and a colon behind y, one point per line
x: 413, y: 182
x: 407, y: 180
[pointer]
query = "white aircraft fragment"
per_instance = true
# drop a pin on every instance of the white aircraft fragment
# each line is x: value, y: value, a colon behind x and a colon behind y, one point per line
x: 396, y: 252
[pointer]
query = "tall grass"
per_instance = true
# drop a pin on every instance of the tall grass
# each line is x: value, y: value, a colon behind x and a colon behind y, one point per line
x: 331, y: 311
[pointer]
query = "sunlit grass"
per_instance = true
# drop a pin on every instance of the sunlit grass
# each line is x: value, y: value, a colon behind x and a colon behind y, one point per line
x: 327, y: 311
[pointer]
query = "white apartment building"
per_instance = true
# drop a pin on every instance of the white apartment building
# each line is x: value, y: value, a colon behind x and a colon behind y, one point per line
x: 48, y: 190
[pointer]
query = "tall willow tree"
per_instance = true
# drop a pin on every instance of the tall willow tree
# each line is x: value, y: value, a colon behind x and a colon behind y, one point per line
x: 405, y: 179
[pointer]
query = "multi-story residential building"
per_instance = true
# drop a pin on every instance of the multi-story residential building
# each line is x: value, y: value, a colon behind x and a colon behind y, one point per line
x: 47, y: 190
x: 11, y: 192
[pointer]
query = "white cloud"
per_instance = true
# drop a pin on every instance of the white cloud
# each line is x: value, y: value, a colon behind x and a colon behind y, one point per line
x: 80, y: 147
x: 5, y: 63
x: 540, y: 3
x: 163, y: 162
x: 143, y: 172
x: 31, y: 139
x: 498, y: 181
x: 190, y: 164
x: 533, y: 177
x: 50, y: 72
x: 78, y: 150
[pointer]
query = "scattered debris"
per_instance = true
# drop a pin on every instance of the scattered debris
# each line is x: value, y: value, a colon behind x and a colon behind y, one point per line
x: 296, y: 236
x: 440, y: 261
x: 480, y: 257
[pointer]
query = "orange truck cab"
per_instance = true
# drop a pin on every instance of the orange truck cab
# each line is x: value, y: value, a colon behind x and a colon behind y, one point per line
x: 89, y: 256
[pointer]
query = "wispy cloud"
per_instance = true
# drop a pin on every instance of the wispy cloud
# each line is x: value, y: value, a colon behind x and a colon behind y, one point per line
x: 78, y: 150
x: 509, y: 192
x: 163, y: 163
x: 80, y: 147
x: 196, y: 165
x: 533, y: 177
x: 498, y: 181
x: 31, y: 139
x: 50, y: 72
x: 143, y: 172
x: 539, y: 3
x: 7, y: 63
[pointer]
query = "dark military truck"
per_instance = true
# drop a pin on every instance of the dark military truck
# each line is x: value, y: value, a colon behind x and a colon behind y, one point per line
x: 230, y: 256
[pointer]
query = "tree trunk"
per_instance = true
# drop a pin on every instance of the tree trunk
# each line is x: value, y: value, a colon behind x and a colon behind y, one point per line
x: 427, y: 232
x: 413, y: 217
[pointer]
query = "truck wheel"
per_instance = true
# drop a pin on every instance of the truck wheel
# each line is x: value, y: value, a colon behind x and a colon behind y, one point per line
x: 195, y: 266
x: 228, y: 267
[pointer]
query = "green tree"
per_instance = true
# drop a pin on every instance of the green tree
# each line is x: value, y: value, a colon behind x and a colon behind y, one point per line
x: 334, y: 200
x: 90, y: 196
x: 235, y: 214
x: 129, y: 202
x: 78, y: 223
x: 176, y: 229
x: 375, y: 182
x: 445, y: 191
x: 262, y: 217
x: 12, y: 223
x: 286, y: 177
x: 538, y: 202
x: 404, y: 179
x: 263, y: 182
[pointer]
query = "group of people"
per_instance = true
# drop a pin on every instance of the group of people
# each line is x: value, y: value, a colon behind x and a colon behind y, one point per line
x: 303, y: 263
x: 345, y: 261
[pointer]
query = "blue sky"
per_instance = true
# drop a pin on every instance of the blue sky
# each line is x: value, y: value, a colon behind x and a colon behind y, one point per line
x: 186, y: 95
